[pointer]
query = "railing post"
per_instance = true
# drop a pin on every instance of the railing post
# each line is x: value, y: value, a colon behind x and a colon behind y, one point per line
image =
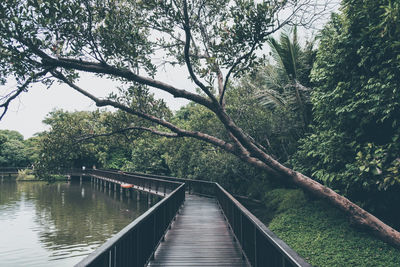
x: 255, y: 246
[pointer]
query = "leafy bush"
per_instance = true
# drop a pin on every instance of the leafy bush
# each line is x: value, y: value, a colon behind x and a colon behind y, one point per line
x: 25, y: 174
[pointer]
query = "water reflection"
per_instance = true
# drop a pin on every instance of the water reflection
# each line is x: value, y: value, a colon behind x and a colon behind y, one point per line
x: 62, y: 222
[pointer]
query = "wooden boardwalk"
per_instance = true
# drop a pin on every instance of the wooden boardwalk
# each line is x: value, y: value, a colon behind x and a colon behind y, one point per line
x: 199, y: 237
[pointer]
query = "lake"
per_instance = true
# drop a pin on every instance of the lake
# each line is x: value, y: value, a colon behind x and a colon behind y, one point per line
x: 61, y: 223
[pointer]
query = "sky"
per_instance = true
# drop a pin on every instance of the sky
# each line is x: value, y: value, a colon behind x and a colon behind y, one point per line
x: 27, y: 112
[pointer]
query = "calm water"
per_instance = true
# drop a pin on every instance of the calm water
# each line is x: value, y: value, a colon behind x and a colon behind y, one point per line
x: 59, y: 224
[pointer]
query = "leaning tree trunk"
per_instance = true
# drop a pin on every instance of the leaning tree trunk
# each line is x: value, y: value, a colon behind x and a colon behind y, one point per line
x: 246, y: 148
x: 359, y: 216
x: 259, y: 158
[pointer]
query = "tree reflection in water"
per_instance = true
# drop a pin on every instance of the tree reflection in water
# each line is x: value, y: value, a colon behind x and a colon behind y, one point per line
x: 72, y: 219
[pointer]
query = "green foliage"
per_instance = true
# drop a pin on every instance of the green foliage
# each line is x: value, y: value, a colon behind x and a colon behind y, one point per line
x: 60, y: 147
x: 117, y: 32
x: 100, y: 138
x: 322, y: 235
x: 25, y: 175
x: 148, y: 156
x: 13, y: 149
x: 354, y: 146
x: 286, y: 84
x: 199, y: 160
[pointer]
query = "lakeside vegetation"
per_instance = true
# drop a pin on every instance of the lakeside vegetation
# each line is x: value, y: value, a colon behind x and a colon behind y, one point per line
x: 328, y: 109
x: 320, y: 233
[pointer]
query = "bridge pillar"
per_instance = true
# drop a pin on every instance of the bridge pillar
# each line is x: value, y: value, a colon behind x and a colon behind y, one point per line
x: 138, y: 195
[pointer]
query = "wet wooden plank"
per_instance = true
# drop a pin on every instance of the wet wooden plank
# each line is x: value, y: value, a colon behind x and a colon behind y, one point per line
x: 199, y: 237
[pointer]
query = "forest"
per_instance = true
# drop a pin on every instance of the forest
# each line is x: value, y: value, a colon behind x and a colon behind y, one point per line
x: 320, y: 114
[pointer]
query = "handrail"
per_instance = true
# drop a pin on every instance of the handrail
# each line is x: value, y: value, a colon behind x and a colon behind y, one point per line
x: 136, y: 243
x: 259, y: 244
x: 158, y: 185
x: 199, y: 187
x: 261, y: 247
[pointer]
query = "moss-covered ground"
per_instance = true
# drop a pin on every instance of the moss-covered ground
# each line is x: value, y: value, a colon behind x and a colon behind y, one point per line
x: 321, y: 233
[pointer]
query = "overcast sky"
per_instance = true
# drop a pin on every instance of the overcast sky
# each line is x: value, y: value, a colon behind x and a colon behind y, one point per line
x: 27, y: 112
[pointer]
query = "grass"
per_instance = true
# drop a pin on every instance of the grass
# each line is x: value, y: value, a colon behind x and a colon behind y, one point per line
x: 320, y: 233
x: 25, y: 175
x: 57, y: 177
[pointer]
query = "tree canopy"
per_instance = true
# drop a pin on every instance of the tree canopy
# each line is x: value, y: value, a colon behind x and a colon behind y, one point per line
x: 13, y: 149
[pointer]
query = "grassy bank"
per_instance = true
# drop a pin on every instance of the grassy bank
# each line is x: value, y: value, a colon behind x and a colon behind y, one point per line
x: 320, y: 233
x: 26, y: 175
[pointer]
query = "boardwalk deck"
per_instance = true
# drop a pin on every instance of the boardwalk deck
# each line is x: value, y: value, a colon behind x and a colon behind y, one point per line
x: 199, y: 237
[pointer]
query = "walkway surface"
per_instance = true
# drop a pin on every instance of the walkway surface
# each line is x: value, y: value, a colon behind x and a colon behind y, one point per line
x: 199, y: 237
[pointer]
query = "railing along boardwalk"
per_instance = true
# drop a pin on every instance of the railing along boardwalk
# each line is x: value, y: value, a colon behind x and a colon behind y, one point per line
x: 11, y: 170
x: 199, y: 237
x: 210, y: 228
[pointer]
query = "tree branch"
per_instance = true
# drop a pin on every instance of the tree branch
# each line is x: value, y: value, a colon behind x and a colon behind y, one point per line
x: 120, y: 131
x: 127, y: 74
x: 237, y: 62
x: 186, y: 27
x: 184, y: 133
x: 11, y: 96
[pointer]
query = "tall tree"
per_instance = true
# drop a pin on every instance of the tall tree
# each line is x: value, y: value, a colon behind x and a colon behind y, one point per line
x: 13, y: 149
x: 288, y: 55
x: 354, y: 146
x: 43, y: 41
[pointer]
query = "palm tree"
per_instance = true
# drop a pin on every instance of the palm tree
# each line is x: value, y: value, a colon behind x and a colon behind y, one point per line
x: 283, y: 81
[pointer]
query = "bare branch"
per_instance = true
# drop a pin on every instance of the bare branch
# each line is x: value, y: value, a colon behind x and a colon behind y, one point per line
x: 186, y: 27
x: 231, y: 70
x: 11, y: 96
x: 93, y: 44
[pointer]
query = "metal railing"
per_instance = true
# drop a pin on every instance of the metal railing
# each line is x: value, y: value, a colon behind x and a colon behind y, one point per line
x: 199, y: 187
x: 136, y: 243
x: 259, y: 244
x: 157, y: 185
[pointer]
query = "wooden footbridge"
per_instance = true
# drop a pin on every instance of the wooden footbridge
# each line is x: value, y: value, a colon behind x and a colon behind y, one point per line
x: 197, y: 223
